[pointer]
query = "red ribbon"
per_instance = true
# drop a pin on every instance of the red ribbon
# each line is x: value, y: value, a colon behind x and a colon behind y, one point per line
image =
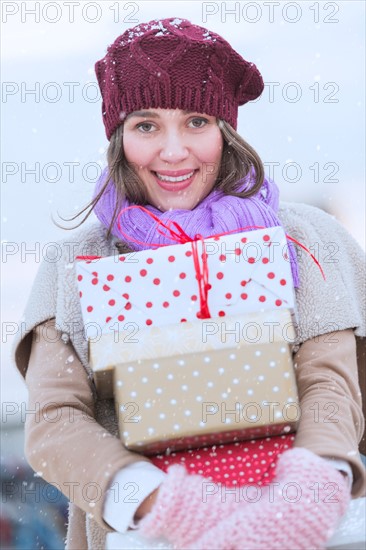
x: 90, y: 258
x: 202, y: 277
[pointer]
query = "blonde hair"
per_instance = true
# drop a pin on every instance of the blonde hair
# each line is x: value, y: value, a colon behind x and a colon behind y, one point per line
x: 237, y: 161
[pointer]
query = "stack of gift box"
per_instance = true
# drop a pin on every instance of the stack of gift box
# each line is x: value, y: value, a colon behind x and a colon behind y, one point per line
x: 193, y: 340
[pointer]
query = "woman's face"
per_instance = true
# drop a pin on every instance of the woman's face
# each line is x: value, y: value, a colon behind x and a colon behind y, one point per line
x: 175, y: 153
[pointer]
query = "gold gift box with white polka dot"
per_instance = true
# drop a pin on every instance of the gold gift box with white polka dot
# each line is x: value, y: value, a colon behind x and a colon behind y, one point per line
x: 240, y: 385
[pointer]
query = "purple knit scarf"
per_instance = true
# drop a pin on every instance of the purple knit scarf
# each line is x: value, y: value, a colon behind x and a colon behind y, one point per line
x: 217, y: 213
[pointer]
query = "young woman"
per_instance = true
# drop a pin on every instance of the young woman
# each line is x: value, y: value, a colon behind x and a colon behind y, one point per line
x: 171, y: 92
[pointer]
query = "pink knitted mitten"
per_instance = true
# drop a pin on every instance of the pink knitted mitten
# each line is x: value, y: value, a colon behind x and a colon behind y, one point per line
x: 299, y: 510
x: 183, y: 511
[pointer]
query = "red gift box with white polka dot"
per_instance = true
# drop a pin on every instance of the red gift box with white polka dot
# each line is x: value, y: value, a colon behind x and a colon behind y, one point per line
x: 236, y: 464
x: 246, y: 272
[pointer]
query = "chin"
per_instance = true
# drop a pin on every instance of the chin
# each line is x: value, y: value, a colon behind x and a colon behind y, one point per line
x: 183, y: 206
x: 177, y: 205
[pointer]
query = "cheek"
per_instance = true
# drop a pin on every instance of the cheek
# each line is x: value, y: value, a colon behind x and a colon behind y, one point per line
x: 212, y: 149
x: 135, y: 153
x: 129, y: 150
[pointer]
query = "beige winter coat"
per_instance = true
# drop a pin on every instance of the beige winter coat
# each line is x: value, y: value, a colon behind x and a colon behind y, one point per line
x: 74, y: 441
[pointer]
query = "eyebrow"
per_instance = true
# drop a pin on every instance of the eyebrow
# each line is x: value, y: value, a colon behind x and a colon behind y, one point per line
x: 150, y: 114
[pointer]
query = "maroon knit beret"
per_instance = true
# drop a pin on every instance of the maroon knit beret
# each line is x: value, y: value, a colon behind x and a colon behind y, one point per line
x: 172, y: 64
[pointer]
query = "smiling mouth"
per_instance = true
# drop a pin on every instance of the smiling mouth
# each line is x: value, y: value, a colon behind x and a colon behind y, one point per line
x: 174, y: 179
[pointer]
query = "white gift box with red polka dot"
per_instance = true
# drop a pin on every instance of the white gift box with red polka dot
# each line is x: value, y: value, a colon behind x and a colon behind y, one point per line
x: 247, y: 271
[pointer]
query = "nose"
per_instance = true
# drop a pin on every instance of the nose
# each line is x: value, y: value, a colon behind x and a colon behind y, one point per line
x: 173, y: 148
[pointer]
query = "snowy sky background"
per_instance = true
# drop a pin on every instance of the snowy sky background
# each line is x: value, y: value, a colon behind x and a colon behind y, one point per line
x: 322, y: 48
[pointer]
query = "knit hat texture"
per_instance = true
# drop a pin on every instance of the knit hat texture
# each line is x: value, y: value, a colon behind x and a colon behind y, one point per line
x: 173, y: 64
